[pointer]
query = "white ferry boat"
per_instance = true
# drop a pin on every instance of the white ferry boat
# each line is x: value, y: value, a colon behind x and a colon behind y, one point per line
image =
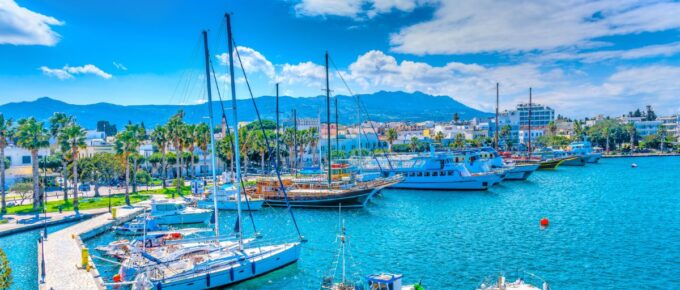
x: 170, y: 212
x: 585, y: 149
x: 440, y: 171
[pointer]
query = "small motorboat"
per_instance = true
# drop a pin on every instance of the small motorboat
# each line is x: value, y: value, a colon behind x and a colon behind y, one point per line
x: 520, y: 283
x: 226, y: 200
x: 138, y: 226
x: 634, y: 165
x: 390, y: 281
x: 171, y: 212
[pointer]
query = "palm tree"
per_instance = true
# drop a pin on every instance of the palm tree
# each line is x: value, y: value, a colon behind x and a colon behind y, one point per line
x: 391, y: 136
x: 439, y: 137
x: 159, y: 137
x: 314, y: 142
x: 190, y: 143
x: 505, y: 132
x: 5, y: 133
x: 258, y: 145
x: 202, y: 141
x: 606, y: 132
x: 175, y: 129
x: 58, y: 122
x: 414, y: 143
x: 32, y: 135
x: 74, y: 135
x: 138, y: 133
x: 245, y: 138
x: 126, y: 142
x: 578, y: 130
x: 630, y: 128
x: 289, y: 140
x: 552, y: 128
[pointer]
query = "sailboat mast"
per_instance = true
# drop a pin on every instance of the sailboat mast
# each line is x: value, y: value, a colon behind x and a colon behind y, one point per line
x: 237, y: 154
x: 529, y: 147
x: 337, y: 127
x: 212, y: 136
x: 496, y: 131
x: 328, y: 118
x: 277, y: 126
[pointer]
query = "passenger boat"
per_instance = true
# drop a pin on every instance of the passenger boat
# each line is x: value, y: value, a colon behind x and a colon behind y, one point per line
x: 548, y: 154
x: 440, y: 171
x: 172, y: 212
x: 227, y: 200
x: 514, y: 171
x: 585, y: 149
x: 521, y: 282
x: 121, y: 249
x: 138, y: 226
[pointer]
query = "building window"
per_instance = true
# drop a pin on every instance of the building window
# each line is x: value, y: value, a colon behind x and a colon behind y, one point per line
x: 420, y: 174
x: 427, y: 174
x: 26, y: 159
x: 435, y: 173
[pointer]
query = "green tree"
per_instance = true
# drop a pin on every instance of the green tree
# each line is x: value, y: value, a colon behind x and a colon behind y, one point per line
x: 32, y: 135
x: 578, y: 130
x: 413, y: 144
x: 552, y: 128
x: 5, y: 271
x: 632, y: 132
x: 5, y: 134
x: 100, y: 168
x: 159, y: 138
x: 58, y: 121
x: 175, y: 133
x: 126, y: 142
x: 391, y: 135
x: 189, y: 140
x: 459, y: 141
x: 439, y: 137
x: 505, y: 133
x: 74, y: 136
x: 203, y: 141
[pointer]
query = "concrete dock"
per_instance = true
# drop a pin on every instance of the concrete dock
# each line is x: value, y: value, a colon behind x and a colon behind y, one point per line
x: 63, y: 250
x: 26, y: 222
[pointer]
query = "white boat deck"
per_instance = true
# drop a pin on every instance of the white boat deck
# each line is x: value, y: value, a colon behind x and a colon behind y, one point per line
x: 63, y: 252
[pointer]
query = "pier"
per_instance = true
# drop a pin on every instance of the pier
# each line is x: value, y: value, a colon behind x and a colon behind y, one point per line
x: 63, y: 253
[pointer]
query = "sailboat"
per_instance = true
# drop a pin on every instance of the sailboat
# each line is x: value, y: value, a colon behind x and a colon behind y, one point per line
x: 205, y: 269
x: 343, y: 185
x: 521, y: 282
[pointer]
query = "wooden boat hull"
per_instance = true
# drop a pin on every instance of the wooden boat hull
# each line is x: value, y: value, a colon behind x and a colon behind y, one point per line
x: 356, y: 198
x: 574, y: 161
x: 550, y: 164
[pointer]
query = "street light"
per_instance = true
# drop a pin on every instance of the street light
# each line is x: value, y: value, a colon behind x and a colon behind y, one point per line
x: 45, y: 196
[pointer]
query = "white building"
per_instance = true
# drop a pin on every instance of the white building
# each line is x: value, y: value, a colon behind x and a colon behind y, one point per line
x: 540, y: 115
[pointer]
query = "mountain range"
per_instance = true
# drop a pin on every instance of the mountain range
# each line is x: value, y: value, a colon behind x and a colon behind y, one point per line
x: 381, y: 106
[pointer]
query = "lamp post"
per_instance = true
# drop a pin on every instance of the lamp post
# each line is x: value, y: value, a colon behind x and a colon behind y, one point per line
x: 45, y: 197
x: 41, y: 240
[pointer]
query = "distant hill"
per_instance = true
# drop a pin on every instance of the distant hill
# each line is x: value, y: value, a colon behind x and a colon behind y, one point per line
x: 381, y: 106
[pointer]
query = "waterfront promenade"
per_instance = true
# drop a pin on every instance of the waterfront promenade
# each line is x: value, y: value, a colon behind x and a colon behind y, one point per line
x: 63, y: 250
x: 23, y: 222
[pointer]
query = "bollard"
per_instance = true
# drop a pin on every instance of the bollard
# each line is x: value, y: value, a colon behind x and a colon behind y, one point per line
x: 84, y: 258
x: 113, y: 213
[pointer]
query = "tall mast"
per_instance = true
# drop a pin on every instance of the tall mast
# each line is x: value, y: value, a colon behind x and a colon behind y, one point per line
x: 328, y: 118
x: 277, y: 126
x: 337, y: 127
x: 496, y: 131
x: 212, y: 136
x: 237, y: 154
x: 295, y: 151
x: 529, y: 147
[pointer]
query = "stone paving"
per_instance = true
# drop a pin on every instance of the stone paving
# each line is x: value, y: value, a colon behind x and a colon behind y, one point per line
x: 24, y: 222
x: 63, y: 250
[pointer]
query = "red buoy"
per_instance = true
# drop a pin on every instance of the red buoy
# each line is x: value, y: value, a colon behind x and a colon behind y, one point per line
x: 545, y: 222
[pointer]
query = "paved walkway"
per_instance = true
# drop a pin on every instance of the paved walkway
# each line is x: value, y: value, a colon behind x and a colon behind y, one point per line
x: 24, y: 222
x: 63, y: 252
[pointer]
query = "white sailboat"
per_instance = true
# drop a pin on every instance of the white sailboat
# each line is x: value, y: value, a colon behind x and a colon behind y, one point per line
x: 229, y: 265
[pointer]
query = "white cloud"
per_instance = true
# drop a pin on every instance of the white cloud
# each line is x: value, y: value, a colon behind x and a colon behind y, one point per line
x: 57, y: 73
x: 253, y: 61
x: 512, y: 26
x: 20, y: 26
x: 635, y: 53
x: 471, y: 84
x: 119, y: 66
x: 355, y: 8
x: 306, y: 73
x: 68, y: 72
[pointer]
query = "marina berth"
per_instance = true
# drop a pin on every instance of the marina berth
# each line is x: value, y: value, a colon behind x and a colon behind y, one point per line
x: 175, y: 212
x: 227, y: 200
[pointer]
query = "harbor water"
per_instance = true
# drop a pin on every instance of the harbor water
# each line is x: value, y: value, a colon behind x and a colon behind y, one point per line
x: 611, y: 226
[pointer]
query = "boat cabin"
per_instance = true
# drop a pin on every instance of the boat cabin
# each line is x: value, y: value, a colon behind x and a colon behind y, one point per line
x: 164, y: 207
x: 384, y: 281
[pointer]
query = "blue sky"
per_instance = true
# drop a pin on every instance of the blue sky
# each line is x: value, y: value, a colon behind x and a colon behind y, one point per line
x: 581, y: 57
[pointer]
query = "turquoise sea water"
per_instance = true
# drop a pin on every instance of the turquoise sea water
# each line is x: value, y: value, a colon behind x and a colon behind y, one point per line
x: 611, y: 226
